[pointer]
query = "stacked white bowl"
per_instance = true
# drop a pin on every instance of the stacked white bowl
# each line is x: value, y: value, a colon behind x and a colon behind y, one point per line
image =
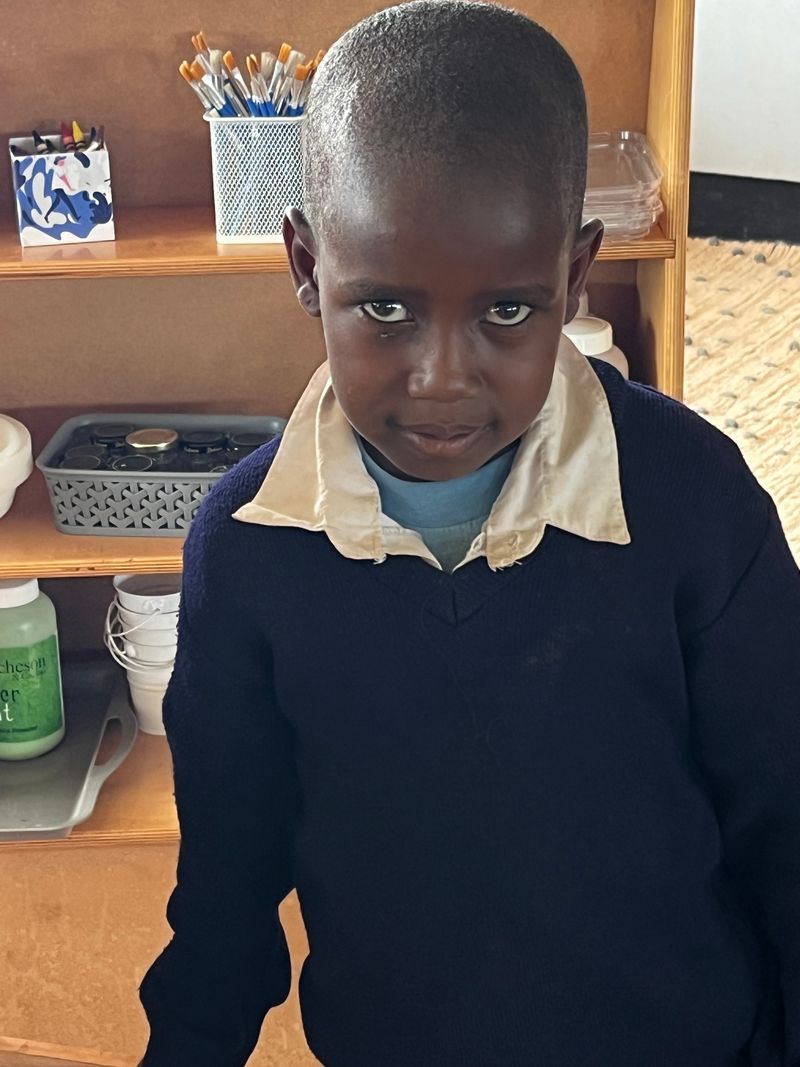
x: 16, y: 459
x: 141, y: 633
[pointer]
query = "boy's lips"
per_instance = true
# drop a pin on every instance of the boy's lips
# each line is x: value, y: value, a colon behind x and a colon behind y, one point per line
x: 441, y: 431
x: 444, y: 441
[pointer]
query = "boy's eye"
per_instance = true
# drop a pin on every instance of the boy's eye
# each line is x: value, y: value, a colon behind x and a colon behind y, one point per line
x: 508, y: 314
x: 386, y: 311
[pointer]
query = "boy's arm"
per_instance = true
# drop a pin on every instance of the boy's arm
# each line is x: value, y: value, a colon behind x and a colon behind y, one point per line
x: 744, y: 683
x: 207, y: 994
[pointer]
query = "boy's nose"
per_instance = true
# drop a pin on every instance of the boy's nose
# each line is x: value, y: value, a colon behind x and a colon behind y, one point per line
x: 444, y: 371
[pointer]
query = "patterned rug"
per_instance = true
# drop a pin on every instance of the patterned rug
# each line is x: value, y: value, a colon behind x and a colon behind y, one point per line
x: 742, y: 357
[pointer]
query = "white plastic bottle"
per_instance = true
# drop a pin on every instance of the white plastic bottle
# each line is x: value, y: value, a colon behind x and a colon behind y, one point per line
x: 595, y: 337
x: 31, y: 701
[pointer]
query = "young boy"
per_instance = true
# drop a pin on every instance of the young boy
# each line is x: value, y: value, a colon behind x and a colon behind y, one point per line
x: 495, y: 657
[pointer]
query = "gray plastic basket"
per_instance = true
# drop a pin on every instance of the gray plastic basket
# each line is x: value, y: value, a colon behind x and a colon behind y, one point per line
x: 130, y: 504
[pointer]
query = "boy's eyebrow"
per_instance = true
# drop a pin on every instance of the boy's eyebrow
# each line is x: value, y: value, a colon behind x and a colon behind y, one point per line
x: 370, y: 289
x: 535, y: 290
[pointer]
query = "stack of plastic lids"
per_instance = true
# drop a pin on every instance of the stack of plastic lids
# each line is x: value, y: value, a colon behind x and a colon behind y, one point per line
x: 623, y: 185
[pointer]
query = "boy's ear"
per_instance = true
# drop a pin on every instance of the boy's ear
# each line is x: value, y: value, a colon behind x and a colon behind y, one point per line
x: 301, y: 250
x: 584, y: 253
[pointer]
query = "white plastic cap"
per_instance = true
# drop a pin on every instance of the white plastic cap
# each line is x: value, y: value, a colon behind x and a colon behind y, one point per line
x: 14, y: 592
x: 591, y: 336
x: 16, y: 457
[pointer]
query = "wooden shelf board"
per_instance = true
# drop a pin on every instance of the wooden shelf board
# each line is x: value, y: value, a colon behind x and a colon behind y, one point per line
x: 150, y: 242
x: 160, y: 242
x: 135, y: 806
x: 32, y: 546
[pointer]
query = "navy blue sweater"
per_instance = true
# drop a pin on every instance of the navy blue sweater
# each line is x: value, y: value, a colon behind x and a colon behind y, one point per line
x: 547, y: 816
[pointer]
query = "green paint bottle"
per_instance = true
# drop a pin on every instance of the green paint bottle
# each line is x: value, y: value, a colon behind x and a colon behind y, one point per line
x: 31, y: 701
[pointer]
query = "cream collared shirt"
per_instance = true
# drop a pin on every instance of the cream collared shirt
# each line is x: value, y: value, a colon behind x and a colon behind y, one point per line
x: 565, y: 473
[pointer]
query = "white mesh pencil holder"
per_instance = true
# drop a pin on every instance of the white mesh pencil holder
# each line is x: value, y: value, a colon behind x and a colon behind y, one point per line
x: 257, y: 173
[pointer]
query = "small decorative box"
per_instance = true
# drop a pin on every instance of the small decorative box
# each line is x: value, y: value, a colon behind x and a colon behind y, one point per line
x: 61, y: 197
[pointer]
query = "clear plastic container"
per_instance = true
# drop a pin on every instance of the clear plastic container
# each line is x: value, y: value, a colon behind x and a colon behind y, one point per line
x: 627, y: 227
x: 621, y: 169
x: 623, y: 185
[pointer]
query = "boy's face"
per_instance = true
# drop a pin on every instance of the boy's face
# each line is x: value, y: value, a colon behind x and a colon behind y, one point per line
x: 442, y: 312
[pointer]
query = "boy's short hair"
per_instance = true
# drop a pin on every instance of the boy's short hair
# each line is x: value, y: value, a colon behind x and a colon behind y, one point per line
x: 445, y: 88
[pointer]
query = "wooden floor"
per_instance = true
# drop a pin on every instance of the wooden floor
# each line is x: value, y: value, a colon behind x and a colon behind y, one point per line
x: 15, y: 1052
x: 93, y: 1017
x: 15, y: 1059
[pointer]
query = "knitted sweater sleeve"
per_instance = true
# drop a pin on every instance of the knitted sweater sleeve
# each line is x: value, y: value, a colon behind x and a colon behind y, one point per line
x: 743, y: 671
x: 227, y: 964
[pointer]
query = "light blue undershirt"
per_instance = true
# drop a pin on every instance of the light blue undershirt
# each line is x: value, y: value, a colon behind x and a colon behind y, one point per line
x: 449, y: 515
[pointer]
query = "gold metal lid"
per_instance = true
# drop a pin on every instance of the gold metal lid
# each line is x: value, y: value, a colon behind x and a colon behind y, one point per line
x: 152, y: 440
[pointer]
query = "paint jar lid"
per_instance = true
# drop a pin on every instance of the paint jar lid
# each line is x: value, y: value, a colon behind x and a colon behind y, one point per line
x: 202, y: 462
x: 98, y: 451
x: 153, y: 439
x: 110, y: 433
x: 127, y: 464
x: 249, y: 440
x: 81, y: 463
x: 15, y: 592
x: 203, y: 440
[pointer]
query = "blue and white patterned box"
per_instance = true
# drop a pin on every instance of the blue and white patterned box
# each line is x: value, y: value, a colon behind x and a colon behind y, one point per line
x: 61, y: 197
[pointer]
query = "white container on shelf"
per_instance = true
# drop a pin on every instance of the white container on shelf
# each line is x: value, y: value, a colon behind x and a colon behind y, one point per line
x: 147, y: 593
x: 595, y: 337
x: 147, y: 695
x: 142, y: 637
x: 148, y: 655
x: 144, y: 622
x: 16, y: 459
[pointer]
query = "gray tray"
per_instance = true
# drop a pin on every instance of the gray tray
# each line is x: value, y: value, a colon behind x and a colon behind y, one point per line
x: 43, y: 798
x: 108, y: 503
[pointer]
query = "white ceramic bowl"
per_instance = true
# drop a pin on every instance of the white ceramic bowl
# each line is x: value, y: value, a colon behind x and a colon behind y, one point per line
x: 16, y: 459
x: 147, y: 593
x: 6, y: 500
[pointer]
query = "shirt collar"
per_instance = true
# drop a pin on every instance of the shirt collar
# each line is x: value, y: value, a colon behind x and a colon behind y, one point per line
x: 565, y: 474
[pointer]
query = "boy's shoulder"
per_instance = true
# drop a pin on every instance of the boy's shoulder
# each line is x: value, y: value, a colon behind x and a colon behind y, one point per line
x: 662, y: 434
x: 213, y: 518
x: 679, y: 473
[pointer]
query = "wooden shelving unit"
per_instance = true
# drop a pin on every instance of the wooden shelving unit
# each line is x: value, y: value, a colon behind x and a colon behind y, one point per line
x: 137, y: 808
x: 162, y: 242
x: 164, y: 316
x: 31, y: 546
